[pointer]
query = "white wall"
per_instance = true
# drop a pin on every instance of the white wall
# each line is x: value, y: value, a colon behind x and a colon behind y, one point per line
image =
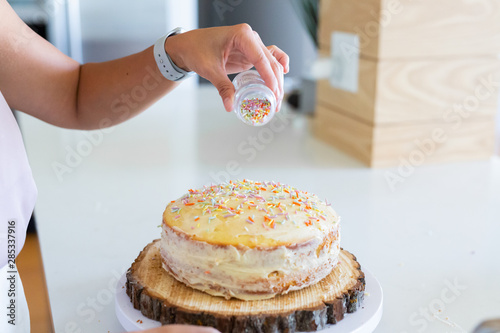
x: 274, y: 20
x: 112, y: 29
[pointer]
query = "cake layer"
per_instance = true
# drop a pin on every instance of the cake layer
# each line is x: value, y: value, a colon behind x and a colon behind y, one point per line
x: 248, y: 273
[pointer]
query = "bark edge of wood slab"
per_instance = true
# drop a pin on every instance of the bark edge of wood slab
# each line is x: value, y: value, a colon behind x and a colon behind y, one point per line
x: 159, y: 296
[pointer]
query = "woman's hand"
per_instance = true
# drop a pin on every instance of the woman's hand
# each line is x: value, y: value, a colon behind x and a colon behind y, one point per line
x: 181, y: 329
x: 215, y: 52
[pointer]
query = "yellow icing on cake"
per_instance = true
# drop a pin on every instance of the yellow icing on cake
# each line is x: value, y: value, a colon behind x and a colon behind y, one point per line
x: 253, y: 214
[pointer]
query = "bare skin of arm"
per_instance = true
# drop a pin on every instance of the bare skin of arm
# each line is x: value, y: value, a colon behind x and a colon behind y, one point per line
x: 38, y: 79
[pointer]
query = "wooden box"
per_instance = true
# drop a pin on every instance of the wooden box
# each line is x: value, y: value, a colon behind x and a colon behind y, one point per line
x: 423, y: 66
x: 402, y: 91
x: 398, y: 29
x: 412, y: 144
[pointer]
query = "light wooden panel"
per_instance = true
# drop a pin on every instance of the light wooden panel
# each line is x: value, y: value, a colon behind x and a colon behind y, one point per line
x: 415, y: 29
x: 473, y: 139
x: 350, y: 16
x: 360, y: 104
x: 398, y: 91
x: 388, y: 145
x: 347, y: 134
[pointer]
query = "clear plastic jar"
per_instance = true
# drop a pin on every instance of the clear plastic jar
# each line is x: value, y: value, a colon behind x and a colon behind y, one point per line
x: 254, y: 103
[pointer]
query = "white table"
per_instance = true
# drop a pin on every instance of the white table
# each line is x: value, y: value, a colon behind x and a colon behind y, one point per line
x: 438, y: 228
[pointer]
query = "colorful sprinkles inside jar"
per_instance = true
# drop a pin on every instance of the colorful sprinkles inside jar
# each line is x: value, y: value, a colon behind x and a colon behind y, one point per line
x: 254, y: 103
x: 254, y: 111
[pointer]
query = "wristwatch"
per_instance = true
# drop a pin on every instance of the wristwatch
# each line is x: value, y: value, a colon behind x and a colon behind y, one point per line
x: 167, y: 67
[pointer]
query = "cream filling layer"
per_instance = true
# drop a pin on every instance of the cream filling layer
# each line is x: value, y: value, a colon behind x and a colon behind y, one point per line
x: 242, y: 272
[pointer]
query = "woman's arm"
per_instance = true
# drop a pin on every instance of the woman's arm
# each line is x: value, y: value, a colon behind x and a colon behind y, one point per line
x: 38, y: 79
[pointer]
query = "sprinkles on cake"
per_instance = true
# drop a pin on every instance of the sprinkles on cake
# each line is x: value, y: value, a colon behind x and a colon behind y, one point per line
x: 239, y: 198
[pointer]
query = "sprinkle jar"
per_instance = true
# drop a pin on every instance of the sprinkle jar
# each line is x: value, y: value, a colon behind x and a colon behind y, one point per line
x: 254, y: 102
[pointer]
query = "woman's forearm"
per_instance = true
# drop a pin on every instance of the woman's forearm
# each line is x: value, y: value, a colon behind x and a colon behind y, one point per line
x: 111, y: 92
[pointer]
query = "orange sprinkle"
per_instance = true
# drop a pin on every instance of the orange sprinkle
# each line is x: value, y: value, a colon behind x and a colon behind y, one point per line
x: 200, y: 200
x: 196, y: 219
x: 308, y: 223
x: 251, y: 219
x: 172, y: 201
x: 275, y: 191
x: 271, y: 224
x: 296, y: 203
x: 263, y: 188
x: 207, y: 272
x: 190, y: 204
x: 286, y: 191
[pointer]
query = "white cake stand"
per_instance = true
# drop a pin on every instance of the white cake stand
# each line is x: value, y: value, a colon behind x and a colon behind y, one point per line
x: 364, y: 320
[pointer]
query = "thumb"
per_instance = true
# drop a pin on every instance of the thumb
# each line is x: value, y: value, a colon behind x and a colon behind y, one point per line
x: 225, y: 88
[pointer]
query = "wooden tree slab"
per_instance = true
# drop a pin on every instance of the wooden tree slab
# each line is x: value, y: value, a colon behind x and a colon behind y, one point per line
x: 161, y: 297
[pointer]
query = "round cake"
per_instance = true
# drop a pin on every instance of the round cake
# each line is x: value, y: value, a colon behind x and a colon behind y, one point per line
x: 249, y: 240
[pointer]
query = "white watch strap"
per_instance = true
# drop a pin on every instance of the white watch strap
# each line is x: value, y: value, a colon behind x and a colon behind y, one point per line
x: 165, y: 64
